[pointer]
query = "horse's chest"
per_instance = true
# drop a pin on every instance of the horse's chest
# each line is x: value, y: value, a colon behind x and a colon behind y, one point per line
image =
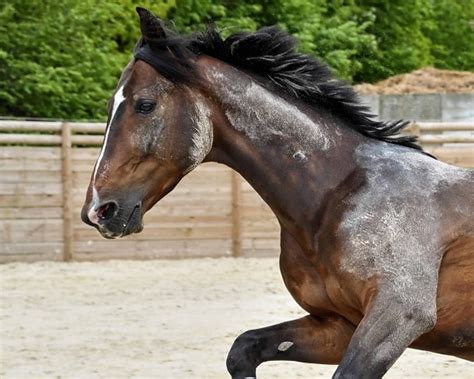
x: 305, y: 283
x: 315, y: 287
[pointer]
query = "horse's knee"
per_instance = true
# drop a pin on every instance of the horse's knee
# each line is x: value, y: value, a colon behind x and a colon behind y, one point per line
x: 244, y: 355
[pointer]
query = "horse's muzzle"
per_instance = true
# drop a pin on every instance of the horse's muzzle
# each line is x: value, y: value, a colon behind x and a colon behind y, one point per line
x: 113, y: 220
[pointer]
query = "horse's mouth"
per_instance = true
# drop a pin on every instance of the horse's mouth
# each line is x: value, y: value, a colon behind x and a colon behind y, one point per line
x: 134, y: 224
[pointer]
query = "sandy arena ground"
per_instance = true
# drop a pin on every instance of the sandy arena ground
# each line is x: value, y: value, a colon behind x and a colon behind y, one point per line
x: 155, y: 319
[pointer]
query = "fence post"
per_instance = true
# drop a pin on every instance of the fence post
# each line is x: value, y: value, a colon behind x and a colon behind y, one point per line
x: 236, y: 219
x: 66, y: 152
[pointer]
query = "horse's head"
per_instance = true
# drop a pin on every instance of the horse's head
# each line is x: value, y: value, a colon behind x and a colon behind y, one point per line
x: 157, y: 131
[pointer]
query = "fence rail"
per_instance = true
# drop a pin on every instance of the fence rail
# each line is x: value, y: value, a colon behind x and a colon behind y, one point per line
x: 45, y: 168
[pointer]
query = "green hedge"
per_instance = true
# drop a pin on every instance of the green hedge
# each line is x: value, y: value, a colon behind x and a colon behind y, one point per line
x: 62, y: 58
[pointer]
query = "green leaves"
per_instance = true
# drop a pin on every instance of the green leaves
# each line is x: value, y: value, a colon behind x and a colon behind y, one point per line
x: 402, y: 46
x: 362, y: 40
x: 328, y: 30
x: 62, y: 59
x: 452, y: 34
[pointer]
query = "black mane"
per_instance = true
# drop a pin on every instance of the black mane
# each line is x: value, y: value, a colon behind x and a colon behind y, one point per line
x: 270, y: 53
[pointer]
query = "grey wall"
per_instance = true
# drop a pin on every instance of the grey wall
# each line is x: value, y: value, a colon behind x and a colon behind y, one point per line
x: 423, y: 107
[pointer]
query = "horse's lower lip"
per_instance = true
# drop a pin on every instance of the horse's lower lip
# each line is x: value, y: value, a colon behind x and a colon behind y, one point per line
x: 108, y: 234
x: 127, y: 231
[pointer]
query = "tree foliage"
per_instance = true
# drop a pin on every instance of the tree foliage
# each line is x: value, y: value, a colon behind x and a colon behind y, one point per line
x: 452, y: 34
x: 62, y: 58
x: 402, y: 46
x: 330, y: 30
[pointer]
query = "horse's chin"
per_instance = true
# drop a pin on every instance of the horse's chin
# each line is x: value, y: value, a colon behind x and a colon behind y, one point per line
x: 130, y: 229
x: 137, y: 229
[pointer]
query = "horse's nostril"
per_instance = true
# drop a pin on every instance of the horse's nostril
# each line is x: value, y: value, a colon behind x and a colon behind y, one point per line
x: 107, y: 211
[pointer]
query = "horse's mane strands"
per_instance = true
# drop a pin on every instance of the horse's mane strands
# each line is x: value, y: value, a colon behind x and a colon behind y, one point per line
x: 270, y: 53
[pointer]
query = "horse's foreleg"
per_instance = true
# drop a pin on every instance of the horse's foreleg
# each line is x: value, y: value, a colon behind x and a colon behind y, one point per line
x: 308, y: 339
x: 384, y: 333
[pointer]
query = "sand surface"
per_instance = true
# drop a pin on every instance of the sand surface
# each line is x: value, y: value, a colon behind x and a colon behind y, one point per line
x: 155, y: 319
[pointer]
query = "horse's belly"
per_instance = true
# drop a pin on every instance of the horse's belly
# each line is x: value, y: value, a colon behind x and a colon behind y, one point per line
x: 454, y: 330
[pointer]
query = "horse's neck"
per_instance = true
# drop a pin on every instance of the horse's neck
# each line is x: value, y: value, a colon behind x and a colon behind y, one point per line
x: 292, y: 158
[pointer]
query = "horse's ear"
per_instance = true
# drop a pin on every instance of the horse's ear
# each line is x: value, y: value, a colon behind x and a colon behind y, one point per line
x: 150, y: 25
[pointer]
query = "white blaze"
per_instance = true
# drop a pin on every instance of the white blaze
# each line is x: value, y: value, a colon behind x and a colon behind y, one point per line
x: 118, y: 99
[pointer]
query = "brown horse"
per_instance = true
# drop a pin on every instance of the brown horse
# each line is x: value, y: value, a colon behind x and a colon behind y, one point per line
x: 377, y: 237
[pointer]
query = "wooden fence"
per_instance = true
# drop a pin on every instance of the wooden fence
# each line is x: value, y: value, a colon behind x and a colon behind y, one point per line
x: 45, y: 168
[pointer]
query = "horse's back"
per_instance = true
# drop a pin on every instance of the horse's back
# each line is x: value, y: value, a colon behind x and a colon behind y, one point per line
x: 431, y: 190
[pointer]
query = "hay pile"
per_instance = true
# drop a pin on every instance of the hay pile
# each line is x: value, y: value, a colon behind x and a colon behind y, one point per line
x: 425, y: 80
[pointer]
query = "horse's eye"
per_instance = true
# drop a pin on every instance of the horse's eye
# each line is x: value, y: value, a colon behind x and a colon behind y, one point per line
x: 145, y: 106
